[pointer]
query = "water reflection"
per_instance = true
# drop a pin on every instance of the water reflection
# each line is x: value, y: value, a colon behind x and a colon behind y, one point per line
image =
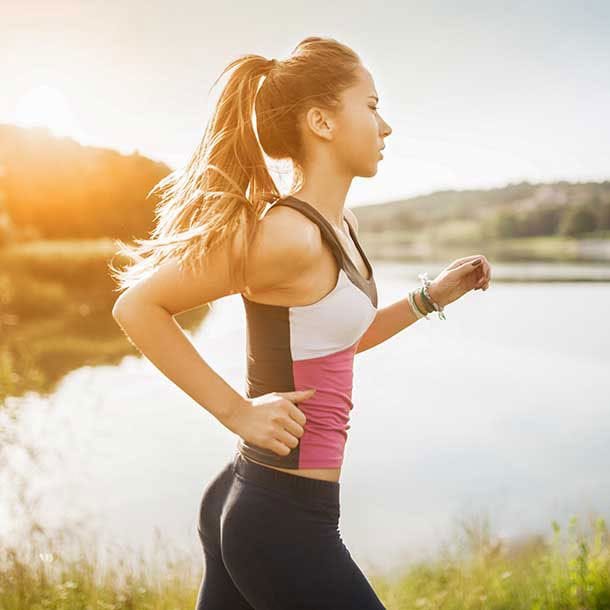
x: 55, y: 316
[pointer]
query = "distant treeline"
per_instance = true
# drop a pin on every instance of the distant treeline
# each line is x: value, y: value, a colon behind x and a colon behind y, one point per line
x: 569, y: 220
x: 56, y: 188
x: 516, y: 210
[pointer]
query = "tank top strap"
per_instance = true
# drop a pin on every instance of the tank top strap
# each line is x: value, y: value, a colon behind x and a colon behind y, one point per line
x: 325, y: 229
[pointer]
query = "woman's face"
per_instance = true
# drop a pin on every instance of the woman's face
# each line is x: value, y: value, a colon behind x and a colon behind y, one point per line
x: 359, y: 129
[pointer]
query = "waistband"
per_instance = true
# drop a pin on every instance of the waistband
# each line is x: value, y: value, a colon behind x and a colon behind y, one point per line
x: 304, y: 489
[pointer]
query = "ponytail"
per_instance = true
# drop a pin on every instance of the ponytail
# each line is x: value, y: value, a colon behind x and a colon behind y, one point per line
x: 226, y: 184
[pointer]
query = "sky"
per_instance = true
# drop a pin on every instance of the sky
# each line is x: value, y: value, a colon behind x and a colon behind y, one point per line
x: 479, y: 94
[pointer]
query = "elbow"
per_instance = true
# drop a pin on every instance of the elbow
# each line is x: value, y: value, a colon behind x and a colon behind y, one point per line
x: 116, y: 314
x: 121, y: 307
x: 129, y: 307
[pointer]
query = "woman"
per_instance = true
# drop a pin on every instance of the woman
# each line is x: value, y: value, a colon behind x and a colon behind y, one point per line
x: 268, y: 522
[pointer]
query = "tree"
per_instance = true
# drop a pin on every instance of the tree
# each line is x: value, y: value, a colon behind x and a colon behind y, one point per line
x: 578, y: 219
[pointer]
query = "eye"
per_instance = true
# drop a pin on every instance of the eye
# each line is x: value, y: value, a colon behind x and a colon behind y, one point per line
x: 375, y: 108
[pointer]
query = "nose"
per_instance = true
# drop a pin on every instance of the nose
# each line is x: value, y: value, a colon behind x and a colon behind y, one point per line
x: 384, y: 135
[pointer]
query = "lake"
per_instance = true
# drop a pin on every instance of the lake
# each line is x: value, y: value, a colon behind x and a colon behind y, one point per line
x: 502, y: 411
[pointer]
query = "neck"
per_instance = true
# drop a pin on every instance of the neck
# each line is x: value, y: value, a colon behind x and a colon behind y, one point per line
x: 325, y: 188
x: 332, y: 211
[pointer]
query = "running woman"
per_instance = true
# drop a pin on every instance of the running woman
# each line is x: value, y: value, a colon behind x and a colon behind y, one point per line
x: 269, y: 520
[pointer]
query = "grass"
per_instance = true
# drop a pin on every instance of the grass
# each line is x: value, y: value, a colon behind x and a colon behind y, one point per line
x: 570, y: 571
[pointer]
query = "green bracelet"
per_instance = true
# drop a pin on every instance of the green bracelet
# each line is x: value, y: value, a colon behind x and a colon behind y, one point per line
x: 426, y: 301
x: 423, y: 313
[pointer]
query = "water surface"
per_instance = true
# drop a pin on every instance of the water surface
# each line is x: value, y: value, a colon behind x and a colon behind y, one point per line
x: 502, y: 410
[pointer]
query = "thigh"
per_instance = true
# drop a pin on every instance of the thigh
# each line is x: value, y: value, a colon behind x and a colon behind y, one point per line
x: 217, y: 591
x: 282, y: 554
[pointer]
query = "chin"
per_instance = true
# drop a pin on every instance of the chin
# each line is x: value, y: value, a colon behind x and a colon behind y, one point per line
x: 367, y: 172
x: 373, y: 171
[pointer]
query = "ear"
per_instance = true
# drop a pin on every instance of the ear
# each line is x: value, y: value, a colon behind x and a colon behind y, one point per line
x: 320, y: 122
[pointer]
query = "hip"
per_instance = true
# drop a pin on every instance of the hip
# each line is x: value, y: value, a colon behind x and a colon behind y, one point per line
x: 324, y: 474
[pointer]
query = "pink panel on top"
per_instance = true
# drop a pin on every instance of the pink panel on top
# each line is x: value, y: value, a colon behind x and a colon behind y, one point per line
x: 327, y: 411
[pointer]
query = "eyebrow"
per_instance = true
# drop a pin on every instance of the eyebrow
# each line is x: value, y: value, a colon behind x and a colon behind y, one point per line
x: 375, y: 97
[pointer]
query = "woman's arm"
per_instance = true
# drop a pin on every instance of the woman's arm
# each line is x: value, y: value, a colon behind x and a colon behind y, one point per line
x: 389, y: 320
x: 155, y: 332
x: 146, y: 311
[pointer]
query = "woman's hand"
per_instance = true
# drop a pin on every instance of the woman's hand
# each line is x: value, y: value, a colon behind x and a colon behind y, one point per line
x: 272, y: 421
x: 459, y: 277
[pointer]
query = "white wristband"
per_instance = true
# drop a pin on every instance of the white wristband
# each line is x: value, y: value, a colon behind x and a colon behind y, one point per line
x: 426, y: 283
x: 414, y: 309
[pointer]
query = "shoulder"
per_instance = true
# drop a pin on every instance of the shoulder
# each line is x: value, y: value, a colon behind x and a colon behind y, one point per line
x: 351, y: 218
x: 285, y: 245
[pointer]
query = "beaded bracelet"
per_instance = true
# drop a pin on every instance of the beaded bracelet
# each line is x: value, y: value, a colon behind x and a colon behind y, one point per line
x: 426, y: 283
x: 427, y: 306
x: 414, y: 308
x: 426, y: 301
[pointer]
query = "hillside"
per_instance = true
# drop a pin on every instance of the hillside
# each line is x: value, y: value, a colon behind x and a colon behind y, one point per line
x: 539, y: 207
x: 53, y: 187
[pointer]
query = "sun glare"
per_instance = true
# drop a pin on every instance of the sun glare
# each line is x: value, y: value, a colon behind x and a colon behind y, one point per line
x: 45, y: 106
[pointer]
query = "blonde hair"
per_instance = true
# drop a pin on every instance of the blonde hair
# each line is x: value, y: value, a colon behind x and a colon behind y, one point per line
x: 226, y: 185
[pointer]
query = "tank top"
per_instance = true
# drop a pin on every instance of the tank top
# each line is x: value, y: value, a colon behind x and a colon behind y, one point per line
x: 311, y: 346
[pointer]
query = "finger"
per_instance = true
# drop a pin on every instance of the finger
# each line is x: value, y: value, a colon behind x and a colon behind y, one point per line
x: 472, y: 257
x: 287, y: 439
x: 477, y: 277
x: 298, y: 395
x: 460, y: 261
x: 279, y: 448
x: 297, y: 415
x: 487, y: 270
x: 482, y: 281
x: 293, y: 427
x: 468, y: 270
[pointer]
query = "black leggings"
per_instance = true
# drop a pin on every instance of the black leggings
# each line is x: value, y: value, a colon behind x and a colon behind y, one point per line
x: 271, y: 542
